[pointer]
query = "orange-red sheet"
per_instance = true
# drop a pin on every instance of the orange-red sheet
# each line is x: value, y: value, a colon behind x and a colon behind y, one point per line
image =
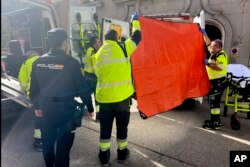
x: 168, y: 65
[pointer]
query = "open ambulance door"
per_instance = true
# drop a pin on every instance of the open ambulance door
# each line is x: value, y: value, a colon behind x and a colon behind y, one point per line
x: 82, y: 26
x: 29, y: 20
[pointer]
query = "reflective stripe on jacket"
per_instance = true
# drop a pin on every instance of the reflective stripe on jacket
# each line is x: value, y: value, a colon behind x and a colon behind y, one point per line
x: 113, y: 70
x: 24, y: 73
x: 221, y: 60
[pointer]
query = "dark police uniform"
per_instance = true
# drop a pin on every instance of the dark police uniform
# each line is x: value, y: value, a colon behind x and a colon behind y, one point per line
x: 56, y: 79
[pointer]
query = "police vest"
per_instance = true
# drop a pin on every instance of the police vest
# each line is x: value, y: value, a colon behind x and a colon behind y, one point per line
x: 130, y: 46
x: 113, y: 70
x: 221, y: 60
x: 89, y: 64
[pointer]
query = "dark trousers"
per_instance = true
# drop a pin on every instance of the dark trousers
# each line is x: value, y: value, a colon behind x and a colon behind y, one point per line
x: 91, y: 80
x: 37, y: 121
x: 216, y: 91
x: 64, y: 141
x: 55, y: 117
x: 120, y: 111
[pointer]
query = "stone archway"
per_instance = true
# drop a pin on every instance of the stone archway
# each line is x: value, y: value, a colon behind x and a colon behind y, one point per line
x: 225, y: 28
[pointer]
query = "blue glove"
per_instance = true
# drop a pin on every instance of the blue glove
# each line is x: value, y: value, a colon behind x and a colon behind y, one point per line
x: 203, y: 32
x: 134, y: 16
x: 206, y: 61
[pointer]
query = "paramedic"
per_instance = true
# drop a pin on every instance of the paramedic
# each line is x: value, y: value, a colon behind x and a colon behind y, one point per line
x: 56, y: 78
x: 24, y: 79
x: 217, y: 70
x: 113, y: 92
x: 89, y: 74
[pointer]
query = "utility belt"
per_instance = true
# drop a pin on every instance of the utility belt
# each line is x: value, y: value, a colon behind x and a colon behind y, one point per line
x: 61, y: 99
x: 76, y: 120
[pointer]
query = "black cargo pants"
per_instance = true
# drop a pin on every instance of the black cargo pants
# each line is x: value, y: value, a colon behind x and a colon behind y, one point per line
x: 110, y: 111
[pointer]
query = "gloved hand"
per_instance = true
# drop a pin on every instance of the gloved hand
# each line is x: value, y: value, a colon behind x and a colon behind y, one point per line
x: 206, y: 61
x: 134, y: 16
x: 203, y: 32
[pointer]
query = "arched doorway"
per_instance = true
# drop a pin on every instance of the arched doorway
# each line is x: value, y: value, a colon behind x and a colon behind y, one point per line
x: 213, y: 32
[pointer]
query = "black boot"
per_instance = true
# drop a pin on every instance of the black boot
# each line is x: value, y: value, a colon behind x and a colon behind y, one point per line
x: 213, y: 124
x: 104, y: 157
x: 122, y: 155
x: 37, y: 145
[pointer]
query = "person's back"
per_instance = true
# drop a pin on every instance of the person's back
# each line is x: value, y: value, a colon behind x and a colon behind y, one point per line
x: 113, y: 68
x: 25, y: 71
x: 56, y: 79
x: 113, y: 92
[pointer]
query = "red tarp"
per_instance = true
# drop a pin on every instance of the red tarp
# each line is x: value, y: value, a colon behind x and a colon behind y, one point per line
x: 168, y: 65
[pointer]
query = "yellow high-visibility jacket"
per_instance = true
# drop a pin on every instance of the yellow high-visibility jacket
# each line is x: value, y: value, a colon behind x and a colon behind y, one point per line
x: 113, y: 70
x: 89, y: 63
x: 222, y: 61
x: 24, y: 74
x: 136, y: 25
x: 130, y: 46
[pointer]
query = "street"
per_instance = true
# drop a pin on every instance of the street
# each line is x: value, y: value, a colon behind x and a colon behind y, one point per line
x: 171, y: 139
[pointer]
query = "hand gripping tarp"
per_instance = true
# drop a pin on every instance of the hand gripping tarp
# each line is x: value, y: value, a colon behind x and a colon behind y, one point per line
x: 168, y: 65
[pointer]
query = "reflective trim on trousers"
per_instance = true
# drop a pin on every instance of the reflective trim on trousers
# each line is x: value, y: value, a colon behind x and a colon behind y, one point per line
x: 37, y: 133
x: 215, y: 111
x: 122, y: 144
x: 104, y: 144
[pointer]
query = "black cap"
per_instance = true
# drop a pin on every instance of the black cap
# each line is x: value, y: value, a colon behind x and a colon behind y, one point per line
x: 56, y: 36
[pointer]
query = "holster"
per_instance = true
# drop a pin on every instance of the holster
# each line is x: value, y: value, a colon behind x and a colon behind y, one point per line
x: 76, y: 120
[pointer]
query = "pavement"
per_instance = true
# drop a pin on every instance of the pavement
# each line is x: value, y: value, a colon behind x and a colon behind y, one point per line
x: 171, y: 139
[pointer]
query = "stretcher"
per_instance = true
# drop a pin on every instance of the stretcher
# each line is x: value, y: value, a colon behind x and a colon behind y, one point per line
x: 10, y: 88
x: 237, y: 92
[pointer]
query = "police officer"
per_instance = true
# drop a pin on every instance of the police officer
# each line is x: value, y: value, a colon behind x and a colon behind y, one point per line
x: 56, y: 79
x: 24, y: 79
x: 113, y: 92
x: 217, y: 70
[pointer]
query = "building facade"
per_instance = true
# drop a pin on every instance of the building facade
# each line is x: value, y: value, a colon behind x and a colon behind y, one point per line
x: 228, y: 20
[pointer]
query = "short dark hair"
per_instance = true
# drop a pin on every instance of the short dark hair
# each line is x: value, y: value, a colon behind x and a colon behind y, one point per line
x: 56, y: 36
x: 111, y: 35
x: 219, y: 43
x: 92, y: 41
